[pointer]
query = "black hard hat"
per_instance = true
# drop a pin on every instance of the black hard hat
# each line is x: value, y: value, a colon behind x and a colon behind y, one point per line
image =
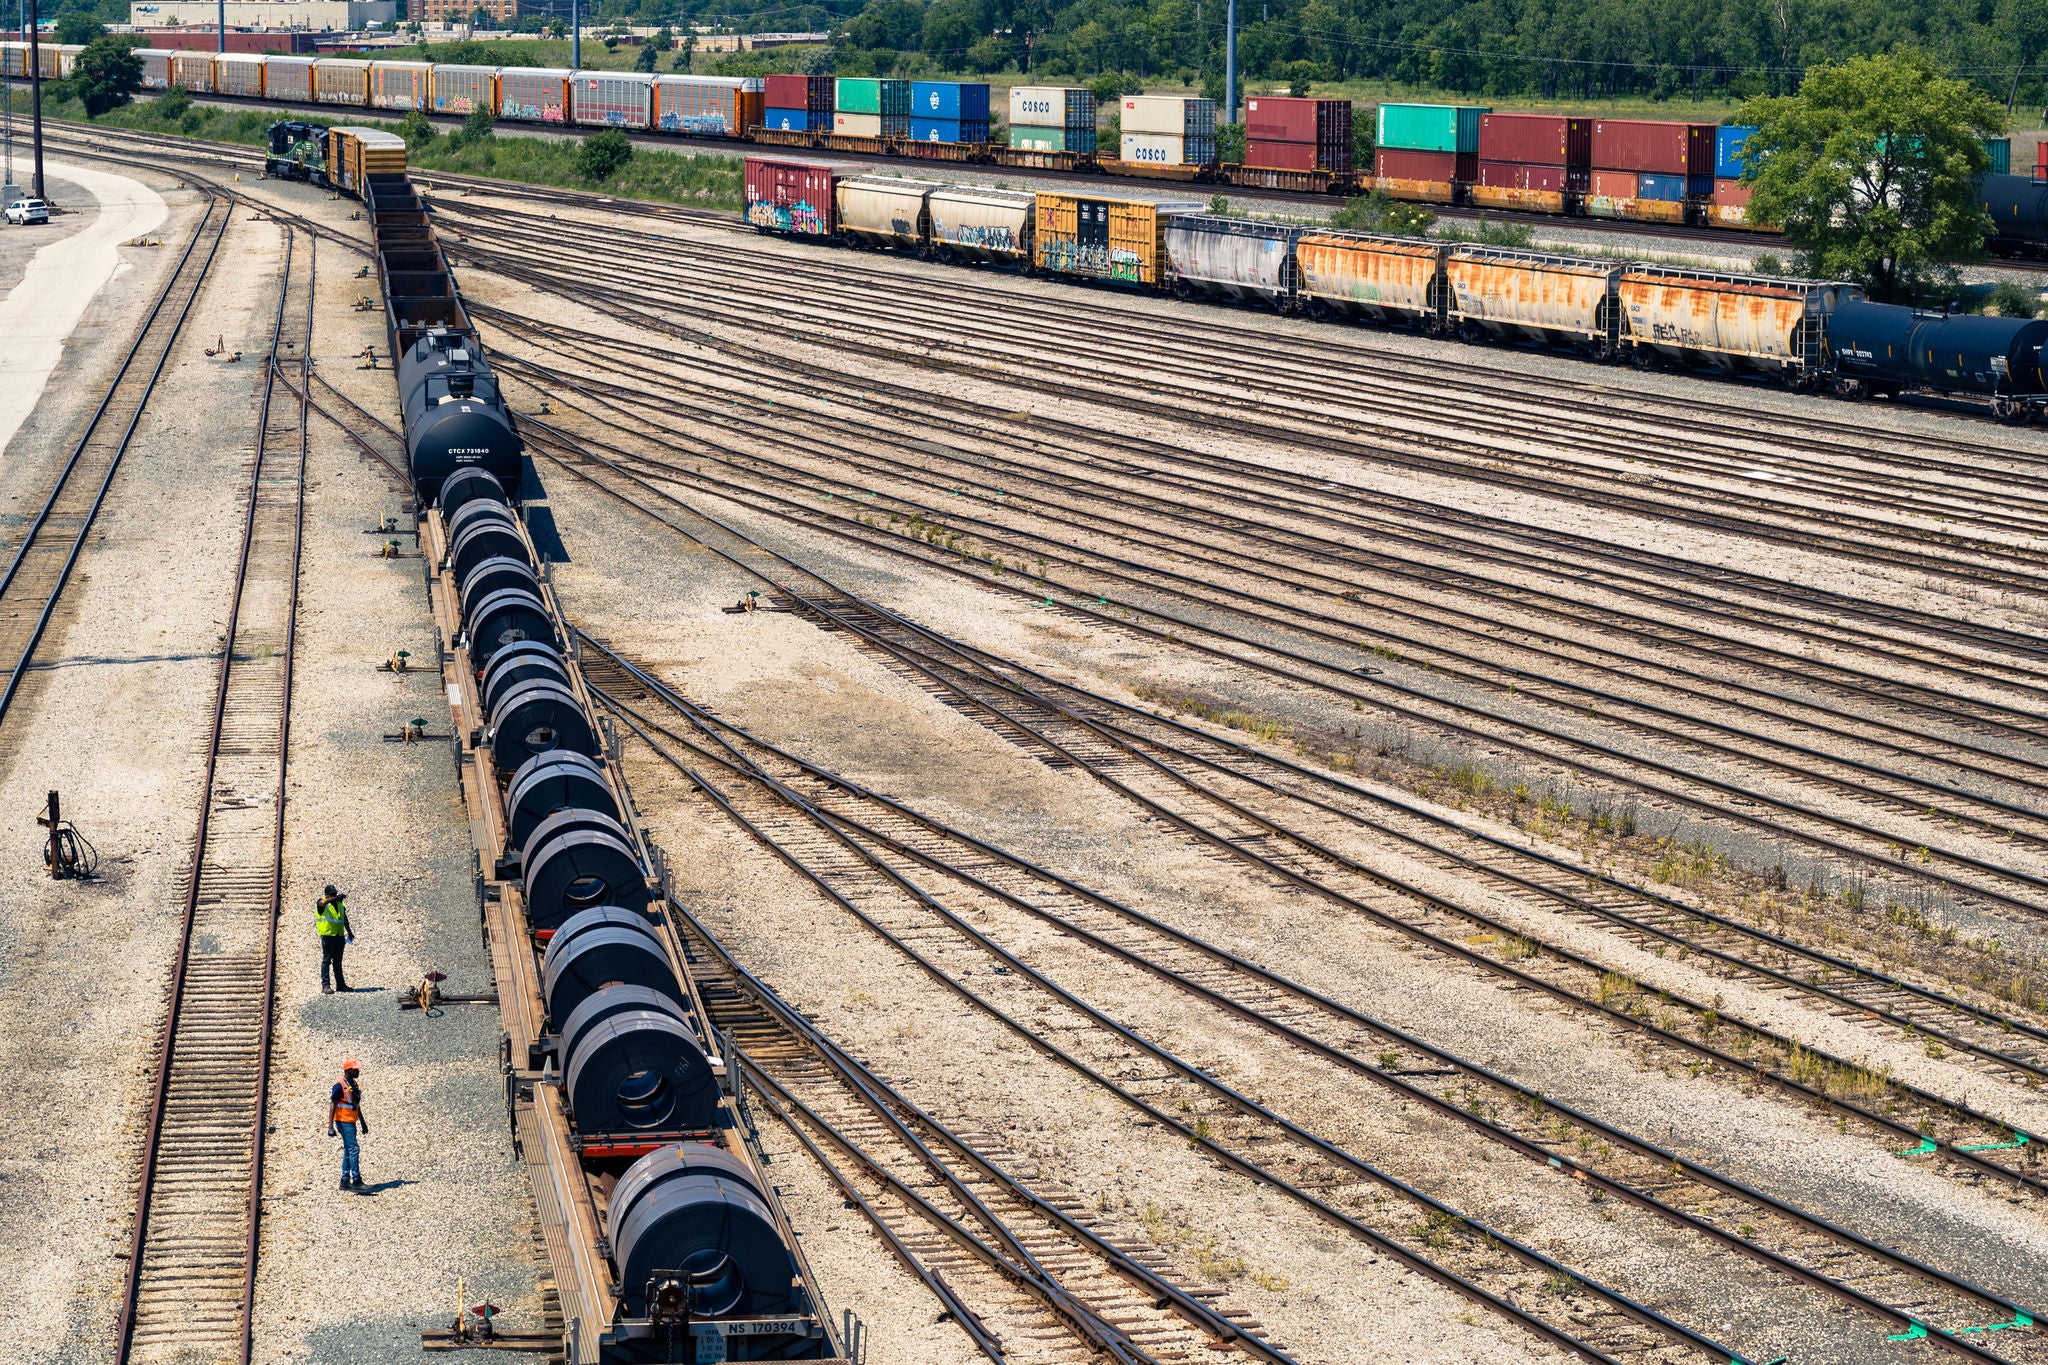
x: 330, y: 891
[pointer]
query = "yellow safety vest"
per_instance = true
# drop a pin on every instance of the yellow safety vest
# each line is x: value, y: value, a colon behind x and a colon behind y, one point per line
x: 333, y: 919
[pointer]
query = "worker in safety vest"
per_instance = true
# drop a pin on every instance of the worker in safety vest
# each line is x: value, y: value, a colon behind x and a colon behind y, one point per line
x: 331, y: 915
x: 345, y: 1117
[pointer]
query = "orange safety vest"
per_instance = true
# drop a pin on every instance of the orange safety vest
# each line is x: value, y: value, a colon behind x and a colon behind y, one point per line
x: 346, y: 1108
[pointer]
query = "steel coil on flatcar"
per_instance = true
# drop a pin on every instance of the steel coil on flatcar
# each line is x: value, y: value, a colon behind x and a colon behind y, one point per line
x: 527, y: 661
x: 638, y: 1071
x: 579, y: 871
x: 471, y: 484
x: 508, y: 617
x: 538, y: 717
x: 487, y: 576
x: 719, y: 1239
x: 559, y: 779
x: 600, y: 958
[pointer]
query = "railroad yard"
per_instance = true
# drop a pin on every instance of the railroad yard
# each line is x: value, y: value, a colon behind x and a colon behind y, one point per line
x: 1185, y: 833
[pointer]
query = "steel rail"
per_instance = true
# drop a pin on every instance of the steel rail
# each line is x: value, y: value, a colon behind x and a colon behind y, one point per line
x: 1340, y: 1057
x: 1459, y: 950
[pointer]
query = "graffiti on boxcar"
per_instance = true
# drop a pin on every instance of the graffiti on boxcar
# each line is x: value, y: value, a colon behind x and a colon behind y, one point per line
x: 801, y: 217
x: 986, y: 238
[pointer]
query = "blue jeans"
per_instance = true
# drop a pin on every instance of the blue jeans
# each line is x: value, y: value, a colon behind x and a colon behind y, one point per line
x: 350, y: 1170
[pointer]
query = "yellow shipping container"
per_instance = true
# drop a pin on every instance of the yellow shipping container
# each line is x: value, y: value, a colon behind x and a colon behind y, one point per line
x: 1105, y: 239
x: 355, y: 154
x: 1379, y: 277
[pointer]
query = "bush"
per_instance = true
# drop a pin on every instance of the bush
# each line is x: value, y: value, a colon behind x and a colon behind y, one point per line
x: 2014, y: 301
x: 79, y: 27
x: 172, y: 104
x: 106, y: 76
x: 603, y: 155
x: 1381, y: 212
x: 479, y: 125
x: 417, y: 130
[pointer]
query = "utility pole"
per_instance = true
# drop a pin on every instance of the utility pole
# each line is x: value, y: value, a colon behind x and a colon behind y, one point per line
x: 575, y: 36
x: 223, y: 25
x: 35, y: 86
x: 1230, y: 63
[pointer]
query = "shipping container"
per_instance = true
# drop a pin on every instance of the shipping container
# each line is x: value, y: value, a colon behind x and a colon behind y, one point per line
x: 1152, y: 149
x: 1731, y: 192
x: 465, y: 89
x: 1106, y: 239
x: 156, y: 65
x: 881, y: 210
x: 534, y: 94
x: 1661, y: 148
x: 786, y: 120
x: 1734, y: 322
x: 1324, y: 125
x: 612, y: 99
x: 239, y: 73
x: 1614, y: 184
x: 1431, y: 127
x: 1728, y: 151
x: 947, y: 130
x: 356, y: 154
x: 1529, y: 295
x: 1358, y: 274
x: 1503, y: 175
x: 869, y: 95
x: 812, y: 94
x: 341, y: 80
x: 856, y: 125
x: 1536, y: 139
x: 1238, y: 258
x: 401, y: 85
x: 1052, y: 106
x: 1184, y: 116
x: 192, y: 71
x: 791, y: 196
x: 1669, y: 188
x: 982, y: 224
x: 709, y: 106
x: 289, y: 79
x: 1030, y: 139
x: 2001, y: 154
x: 1280, y: 156
x: 1398, y: 164
x: 949, y: 101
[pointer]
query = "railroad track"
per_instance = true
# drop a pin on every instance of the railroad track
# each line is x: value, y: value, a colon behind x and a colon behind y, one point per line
x: 40, y: 562
x: 192, y: 1263
x: 891, y: 836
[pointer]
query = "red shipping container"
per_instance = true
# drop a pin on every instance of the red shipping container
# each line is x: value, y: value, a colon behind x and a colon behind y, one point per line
x: 787, y: 92
x: 1508, y: 175
x: 1395, y: 164
x: 1280, y: 118
x: 1731, y: 194
x: 1535, y: 139
x: 1280, y: 156
x: 1615, y: 184
x: 1624, y: 144
x: 792, y: 196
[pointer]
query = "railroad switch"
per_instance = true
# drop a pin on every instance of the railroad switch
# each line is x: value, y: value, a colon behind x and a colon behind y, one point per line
x: 369, y: 358
x: 415, y: 732
x: 68, y: 854
x: 399, y: 662
x: 428, y: 997
x: 476, y: 1328
x: 363, y: 304
x: 751, y: 602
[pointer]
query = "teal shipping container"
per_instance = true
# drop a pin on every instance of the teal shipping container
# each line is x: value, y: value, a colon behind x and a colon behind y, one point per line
x: 866, y: 95
x: 1052, y: 139
x: 1431, y: 127
x: 2001, y: 154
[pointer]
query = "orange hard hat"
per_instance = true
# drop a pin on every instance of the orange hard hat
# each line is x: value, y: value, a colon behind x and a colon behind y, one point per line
x: 351, y: 1065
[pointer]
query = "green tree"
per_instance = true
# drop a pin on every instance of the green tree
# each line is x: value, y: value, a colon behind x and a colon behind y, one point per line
x: 80, y: 27
x: 603, y: 155
x: 644, y: 59
x: 2023, y: 24
x: 417, y: 129
x: 479, y: 124
x: 107, y: 76
x: 664, y: 38
x: 1871, y: 169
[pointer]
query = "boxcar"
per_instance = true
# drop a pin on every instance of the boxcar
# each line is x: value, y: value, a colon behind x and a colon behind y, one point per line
x: 192, y: 71
x: 972, y: 223
x: 239, y: 73
x: 356, y: 154
x: 341, y: 80
x: 796, y: 197
x: 1236, y: 258
x: 65, y: 56
x: 1731, y: 322
x: 708, y: 106
x: 880, y: 210
x: 13, y: 59
x: 156, y: 67
x: 612, y: 99
x: 289, y: 78
x: 1360, y: 274
x: 1531, y: 295
x: 465, y: 89
x: 533, y: 94
x: 401, y: 85
x: 1120, y: 240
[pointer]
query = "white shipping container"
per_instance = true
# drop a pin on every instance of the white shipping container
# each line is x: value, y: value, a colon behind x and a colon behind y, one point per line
x: 884, y: 209
x: 983, y: 224
x: 1041, y: 106
x: 857, y: 125
x: 1166, y: 115
x: 1153, y: 149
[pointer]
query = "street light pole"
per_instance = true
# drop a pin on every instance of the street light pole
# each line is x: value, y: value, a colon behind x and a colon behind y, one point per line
x: 1230, y: 63
x: 575, y: 37
x: 35, y: 85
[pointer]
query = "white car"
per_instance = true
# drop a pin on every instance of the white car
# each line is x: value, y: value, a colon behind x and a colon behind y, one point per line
x: 22, y: 212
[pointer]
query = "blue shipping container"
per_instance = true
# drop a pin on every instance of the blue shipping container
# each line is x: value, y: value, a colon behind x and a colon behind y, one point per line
x: 1667, y: 187
x: 948, y: 130
x: 953, y: 101
x: 787, y: 120
x: 1727, y: 142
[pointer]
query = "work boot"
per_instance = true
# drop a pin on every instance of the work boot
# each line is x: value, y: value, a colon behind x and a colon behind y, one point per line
x: 326, y: 989
x: 344, y: 1182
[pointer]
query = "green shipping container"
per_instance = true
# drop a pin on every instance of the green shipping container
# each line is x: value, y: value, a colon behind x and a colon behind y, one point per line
x: 1052, y: 139
x: 2001, y: 155
x: 1430, y: 127
x: 867, y: 95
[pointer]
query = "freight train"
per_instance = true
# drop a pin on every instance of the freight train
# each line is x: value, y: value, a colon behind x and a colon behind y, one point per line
x: 1809, y: 335
x: 1642, y: 170
x: 631, y: 1120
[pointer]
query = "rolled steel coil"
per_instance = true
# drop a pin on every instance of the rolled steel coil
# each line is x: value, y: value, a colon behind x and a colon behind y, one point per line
x: 598, y: 959
x: 494, y: 574
x: 469, y: 484
x: 637, y: 1070
x: 713, y: 1233
x: 483, y: 539
x: 597, y: 917
x: 552, y: 781
x: 535, y: 718
x: 507, y: 618
x: 529, y: 661
x: 573, y: 820
x: 578, y: 871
